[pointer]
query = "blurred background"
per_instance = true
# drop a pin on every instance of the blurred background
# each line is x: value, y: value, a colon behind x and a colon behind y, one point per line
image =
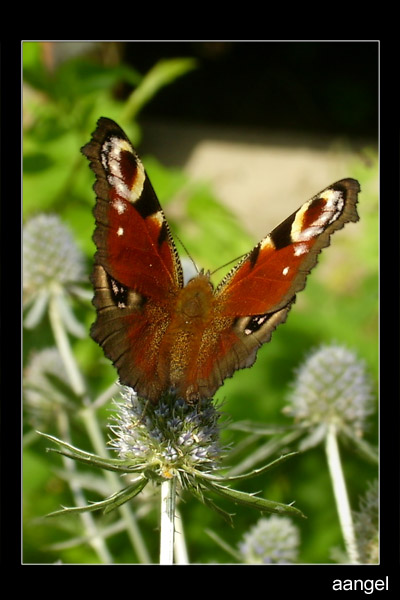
x: 235, y: 136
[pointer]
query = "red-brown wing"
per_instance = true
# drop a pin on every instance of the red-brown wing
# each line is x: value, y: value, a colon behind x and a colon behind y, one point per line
x: 133, y: 240
x: 256, y: 296
x: 269, y: 276
x: 137, y: 269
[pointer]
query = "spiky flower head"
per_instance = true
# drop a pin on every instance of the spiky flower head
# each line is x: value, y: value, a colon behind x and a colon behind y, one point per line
x: 50, y: 254
x: 52, y: 265
x: 273, y: 540
x: 171, y: 438
x: 332, y: 386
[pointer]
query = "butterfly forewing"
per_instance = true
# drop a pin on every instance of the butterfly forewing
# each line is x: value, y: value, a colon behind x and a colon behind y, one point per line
x: 276, y: 269
x: 133, y: 240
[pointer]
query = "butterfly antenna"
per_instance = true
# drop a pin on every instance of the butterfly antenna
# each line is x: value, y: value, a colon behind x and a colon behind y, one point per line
x: 187, y: 252
x: 234, y: 260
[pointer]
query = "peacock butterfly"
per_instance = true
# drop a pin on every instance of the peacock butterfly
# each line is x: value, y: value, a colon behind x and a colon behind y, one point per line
x: 163, y: 335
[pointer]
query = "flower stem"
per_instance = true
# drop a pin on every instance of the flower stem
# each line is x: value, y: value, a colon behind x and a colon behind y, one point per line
x: 168, y: 499
x: 63, y: 345
x: 180, y: 549
x: 340, y: 492
x: 95, y: 434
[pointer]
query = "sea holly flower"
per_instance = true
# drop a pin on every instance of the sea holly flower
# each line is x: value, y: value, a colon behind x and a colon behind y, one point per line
x: 272, y: 540
x: 171, y: 440
x: 332, y: 387
x: 53, y: 267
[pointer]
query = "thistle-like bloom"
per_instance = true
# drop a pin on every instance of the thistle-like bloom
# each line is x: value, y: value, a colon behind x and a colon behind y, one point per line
x: 332, y: 386
x: 50, y: 254
x: 273, y: 540
x: 174, y: 441
x: 53, y: 265
x: 169, y: 439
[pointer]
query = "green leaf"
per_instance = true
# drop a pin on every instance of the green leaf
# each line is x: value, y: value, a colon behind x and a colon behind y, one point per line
x: 110, y: 464
x: 74, y: 78
x: 259, y: 428
x: 253, y: 473
x: 272, y: 446
x: 252, y: 501
x: 163, y: 73
x: 50, y: 160
x: 126, y: 494
x: 78, y: 77
x: 208, y: 502
x: 30, y: 54
x: 107, y: 505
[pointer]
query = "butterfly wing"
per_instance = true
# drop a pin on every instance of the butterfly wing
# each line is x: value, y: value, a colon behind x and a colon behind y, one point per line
x: 136, y: 267
x: 256, y: 296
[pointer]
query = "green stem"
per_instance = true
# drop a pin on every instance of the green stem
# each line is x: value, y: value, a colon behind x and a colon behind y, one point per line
x: 63, y: 345
x: 340, y: 492
x: 180, y: 549
x: 161, y: 74
x: 168, y: 500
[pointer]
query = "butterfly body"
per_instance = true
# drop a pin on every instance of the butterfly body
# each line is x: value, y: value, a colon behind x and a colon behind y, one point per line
x: 163, y: 335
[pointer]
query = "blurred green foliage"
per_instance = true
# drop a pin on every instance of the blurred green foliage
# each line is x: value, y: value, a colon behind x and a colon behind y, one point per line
x: 61, y: 106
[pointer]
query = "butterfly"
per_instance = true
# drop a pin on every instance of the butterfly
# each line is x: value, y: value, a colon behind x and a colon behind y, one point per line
x: 162, y: 335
